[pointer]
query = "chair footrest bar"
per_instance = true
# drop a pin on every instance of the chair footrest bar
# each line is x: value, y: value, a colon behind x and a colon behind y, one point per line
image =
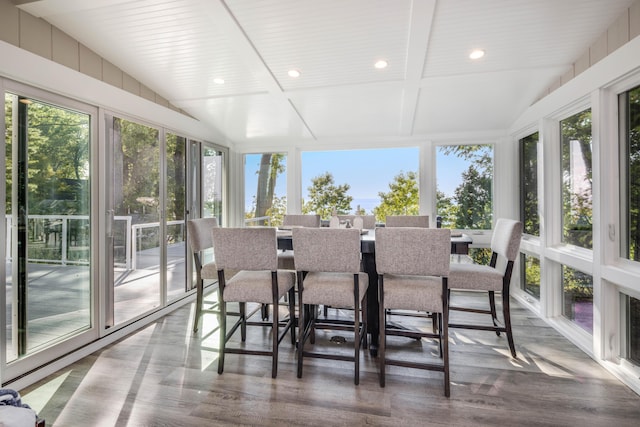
x: 247, y: 351
x: 328, y: 356
x: 407, y: 364
x: 478, y: 327
x: 471, y: 310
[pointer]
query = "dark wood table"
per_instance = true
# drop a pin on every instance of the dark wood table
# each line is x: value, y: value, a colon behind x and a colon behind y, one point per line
x: 459, y: 246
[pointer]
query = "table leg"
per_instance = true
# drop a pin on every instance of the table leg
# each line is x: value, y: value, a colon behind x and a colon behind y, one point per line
x: 369, y: 265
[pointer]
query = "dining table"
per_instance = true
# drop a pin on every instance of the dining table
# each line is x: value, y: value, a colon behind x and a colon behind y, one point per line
x: 459, y: 246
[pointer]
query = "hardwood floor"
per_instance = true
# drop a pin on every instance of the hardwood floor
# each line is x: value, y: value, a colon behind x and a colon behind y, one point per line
x: 165, y: 375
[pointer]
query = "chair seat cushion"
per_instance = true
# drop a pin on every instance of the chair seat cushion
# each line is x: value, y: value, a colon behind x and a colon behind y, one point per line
x: 420, y: 293
x: 475, y: 277
x: 334, y: 289
x: 255, y: 286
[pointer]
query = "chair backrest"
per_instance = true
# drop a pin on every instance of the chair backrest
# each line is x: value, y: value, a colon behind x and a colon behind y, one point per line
x: 301, y: 220
x: 368, y: 221
x: 327, y: 249
x: 407, y: 221
x: 199, y: 233
x: 413, y: 251
x: 251, y: 248
x: 506, y: 238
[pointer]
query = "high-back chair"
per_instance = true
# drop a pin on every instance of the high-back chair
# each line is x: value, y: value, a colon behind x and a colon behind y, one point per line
x: 328, y: 268
x: 413, y: 266
x: 421, y: 221
x: 253, y: 253
x: 285, y: 258
x: 505, y: 246
x: 368, y: 221
x: 200, y: 239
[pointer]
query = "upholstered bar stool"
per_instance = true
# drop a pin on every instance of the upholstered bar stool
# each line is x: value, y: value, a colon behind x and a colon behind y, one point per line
x: 492, y: 278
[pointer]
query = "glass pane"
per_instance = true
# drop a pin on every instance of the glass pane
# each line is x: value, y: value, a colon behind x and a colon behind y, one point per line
x: 212, y: 184
x: 47, y: 224
x: 465, y: 186
x: 136, y: 188
x: 576, y: 180
x: 630, y: 174
x: 529, y: 184
x: 175, y: 215
x: 633, y: 328
x: 363, y: 182
x: 577, y: 291
x: 530, y: 283
x: 265, y: 178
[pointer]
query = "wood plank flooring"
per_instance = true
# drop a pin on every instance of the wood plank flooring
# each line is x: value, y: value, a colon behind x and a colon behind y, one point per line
x: 165, y: 375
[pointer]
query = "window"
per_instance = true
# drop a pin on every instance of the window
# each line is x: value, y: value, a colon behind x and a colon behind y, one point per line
x: 630, y: 174
x: 465, y: 186
x: 265, y: 181
x: 576, y: 180
x: 577, y: 291
x: 365, y: 182
x: 632, y: 322
x: 530, y: 275
x: 529, y: 184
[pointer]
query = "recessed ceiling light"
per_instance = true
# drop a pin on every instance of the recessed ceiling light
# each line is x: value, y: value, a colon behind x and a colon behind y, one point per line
x: 218, y: 81
x: 381, y: 64
x: 294, y: 73
x: 476, y: 54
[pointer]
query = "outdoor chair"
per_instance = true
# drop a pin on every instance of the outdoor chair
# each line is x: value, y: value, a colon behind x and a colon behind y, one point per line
x: 253, y: 253
x: 492, y: 278
x: 413, y: 266
x: 328, y: 270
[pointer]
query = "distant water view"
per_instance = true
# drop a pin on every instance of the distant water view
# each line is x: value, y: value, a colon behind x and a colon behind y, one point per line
x: 366, y: 204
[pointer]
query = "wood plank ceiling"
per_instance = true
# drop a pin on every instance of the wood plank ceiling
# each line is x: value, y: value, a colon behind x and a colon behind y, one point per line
x: 430, y: 87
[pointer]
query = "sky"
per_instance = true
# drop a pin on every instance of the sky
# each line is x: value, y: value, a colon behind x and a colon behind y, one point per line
x: 368, y: 172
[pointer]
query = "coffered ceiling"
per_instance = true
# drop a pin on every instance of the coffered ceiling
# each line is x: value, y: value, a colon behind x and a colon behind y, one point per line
x: 179, y: 48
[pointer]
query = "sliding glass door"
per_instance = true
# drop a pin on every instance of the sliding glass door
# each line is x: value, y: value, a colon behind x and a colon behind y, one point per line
x: 47, y: 226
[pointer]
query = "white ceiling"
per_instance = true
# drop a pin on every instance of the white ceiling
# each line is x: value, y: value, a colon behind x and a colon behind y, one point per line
x: 431, y: 87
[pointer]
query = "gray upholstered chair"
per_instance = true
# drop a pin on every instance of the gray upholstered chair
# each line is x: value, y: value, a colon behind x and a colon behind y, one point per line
x: 407, y: 221
x: 200, y: 239
x: 420, y: 221
x: 328, y: 269
x: 413, y: 266
x: 495, y: 277
x: 285, y: 258
x: 368, y: 221
x: 253, y: 253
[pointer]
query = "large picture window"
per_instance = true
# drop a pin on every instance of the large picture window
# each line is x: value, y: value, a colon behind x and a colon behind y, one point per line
x: 265, y: 180
x: 364, y: 182
x: 529, y: 184
x: 630, y: 174
x: 575, y: 132
x: 465, y: 186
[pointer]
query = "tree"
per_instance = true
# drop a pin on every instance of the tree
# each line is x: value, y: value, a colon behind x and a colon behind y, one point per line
x: 472, y: 199
x: 402, y: 199
x: 325, y: 196
x: 271, y: 165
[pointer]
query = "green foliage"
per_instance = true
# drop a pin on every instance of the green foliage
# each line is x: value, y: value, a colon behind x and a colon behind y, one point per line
x: 471, y: 207
x: 632, y: 177
x: 325, y: 196
x: 402, y: 198
x: 529, y: 184
x: 577, y: 201
x: 277, y: 210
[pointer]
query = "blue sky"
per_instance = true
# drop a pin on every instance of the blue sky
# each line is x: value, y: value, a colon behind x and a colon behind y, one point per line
x: 366, y: 171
